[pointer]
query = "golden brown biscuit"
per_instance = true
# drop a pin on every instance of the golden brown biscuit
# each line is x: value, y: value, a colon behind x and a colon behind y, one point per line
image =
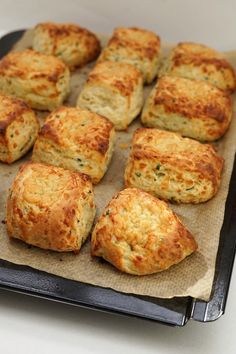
x: 192, y: 108
x: 114, y: 90
x: 173, y: 168
x: 50, y: 207
x: 75, y: 45
x: 18, y: 128
x: 76, y: 139
x: 199, y: 62
x: 135, y: 46
x: 140, y: 234
x: 40, y: 80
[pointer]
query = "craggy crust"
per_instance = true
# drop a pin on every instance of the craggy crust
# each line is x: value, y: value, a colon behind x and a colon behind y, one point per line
x: 173, y: 168
x: 193, y: 108
x: 50, y: 207
x: 40, y: 80
x: 18, y: 128
x: 140, y: 234
x: 197, y: 61
x: 75, y: 45
x: 114, y: 90
x: 76, y: 139
x: 135, y: 46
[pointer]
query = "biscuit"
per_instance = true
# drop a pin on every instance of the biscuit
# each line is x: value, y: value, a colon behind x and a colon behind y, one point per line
x: 139, y: 234
x: 135, y: 46
x: 199, y: 62
x: 192, y: 108
x: 173, y: 168
x: 114, y: 90
x: 75, y: 45
x: 40, y: 80
x: 50, y: 207
x: 76, y: 139
x: 18, y: 128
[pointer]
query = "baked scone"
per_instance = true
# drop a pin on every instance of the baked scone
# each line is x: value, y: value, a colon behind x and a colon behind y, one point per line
x: 135, y: 46
x: 18, y: 128
x: 40, y: 80
x: 139, y: 234
x: 199, y: 62
x: 76, y: 139
x: 193, y: 108
x: 50, y: 207
x: 75, y: 45
x: 173, y: 168
x: 114, y: 90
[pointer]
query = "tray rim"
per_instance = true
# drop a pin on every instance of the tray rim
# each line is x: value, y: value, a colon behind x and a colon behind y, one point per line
x: 203, y: 311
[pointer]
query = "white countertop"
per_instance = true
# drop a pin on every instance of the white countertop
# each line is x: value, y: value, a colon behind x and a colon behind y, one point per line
x: 30, y: 325
x: 35, y: 326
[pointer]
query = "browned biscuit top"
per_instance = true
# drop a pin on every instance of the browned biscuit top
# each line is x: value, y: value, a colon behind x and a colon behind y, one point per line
x: 123, y: 77
x: 30, y: 65
x: 212, y: 66
x: 44, y: 203
x: 75, y: 128
x: 10, y: 109
x: 72, y: 33
x: 197, y: 54
x: 139, y: 234
x: 146, y: 43
x: 184, y: 153
x: 192, y: 98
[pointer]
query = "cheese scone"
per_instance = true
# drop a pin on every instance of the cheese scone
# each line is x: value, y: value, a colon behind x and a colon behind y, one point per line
x: 18, y: 128
x: 76, y: 139
x: 192, y: 108
x: 173, y: 168
x: 40, y: 80
x: 139, y: 234
x: 50, y: 207
x: 114, y: 90
x: 135, y: 46
x: 75, y: 45
x: 199, y: 62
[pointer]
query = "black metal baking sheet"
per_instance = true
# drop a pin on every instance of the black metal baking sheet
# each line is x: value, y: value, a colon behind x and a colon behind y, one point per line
x: 175, y: 311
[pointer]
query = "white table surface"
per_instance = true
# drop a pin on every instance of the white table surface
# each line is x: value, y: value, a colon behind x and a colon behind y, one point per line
x: 30, y: 325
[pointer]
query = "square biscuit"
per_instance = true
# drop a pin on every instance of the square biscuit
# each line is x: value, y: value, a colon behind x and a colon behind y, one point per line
x: 40, y: 80
x: 75, y: 45
x: 173, y: 168
x: 18, y: 128
x: 114, y: 90
x: 195, y: 109
x: 199, y: 62
x: 50, y: 207
x: 135, y: 46
x: 76, y: 139
x: 139, y: 234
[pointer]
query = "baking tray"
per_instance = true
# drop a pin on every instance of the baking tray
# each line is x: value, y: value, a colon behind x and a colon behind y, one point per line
x: 176, y: 311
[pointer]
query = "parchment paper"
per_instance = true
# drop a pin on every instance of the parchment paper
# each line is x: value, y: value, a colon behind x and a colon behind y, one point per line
x: 192, y: 277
